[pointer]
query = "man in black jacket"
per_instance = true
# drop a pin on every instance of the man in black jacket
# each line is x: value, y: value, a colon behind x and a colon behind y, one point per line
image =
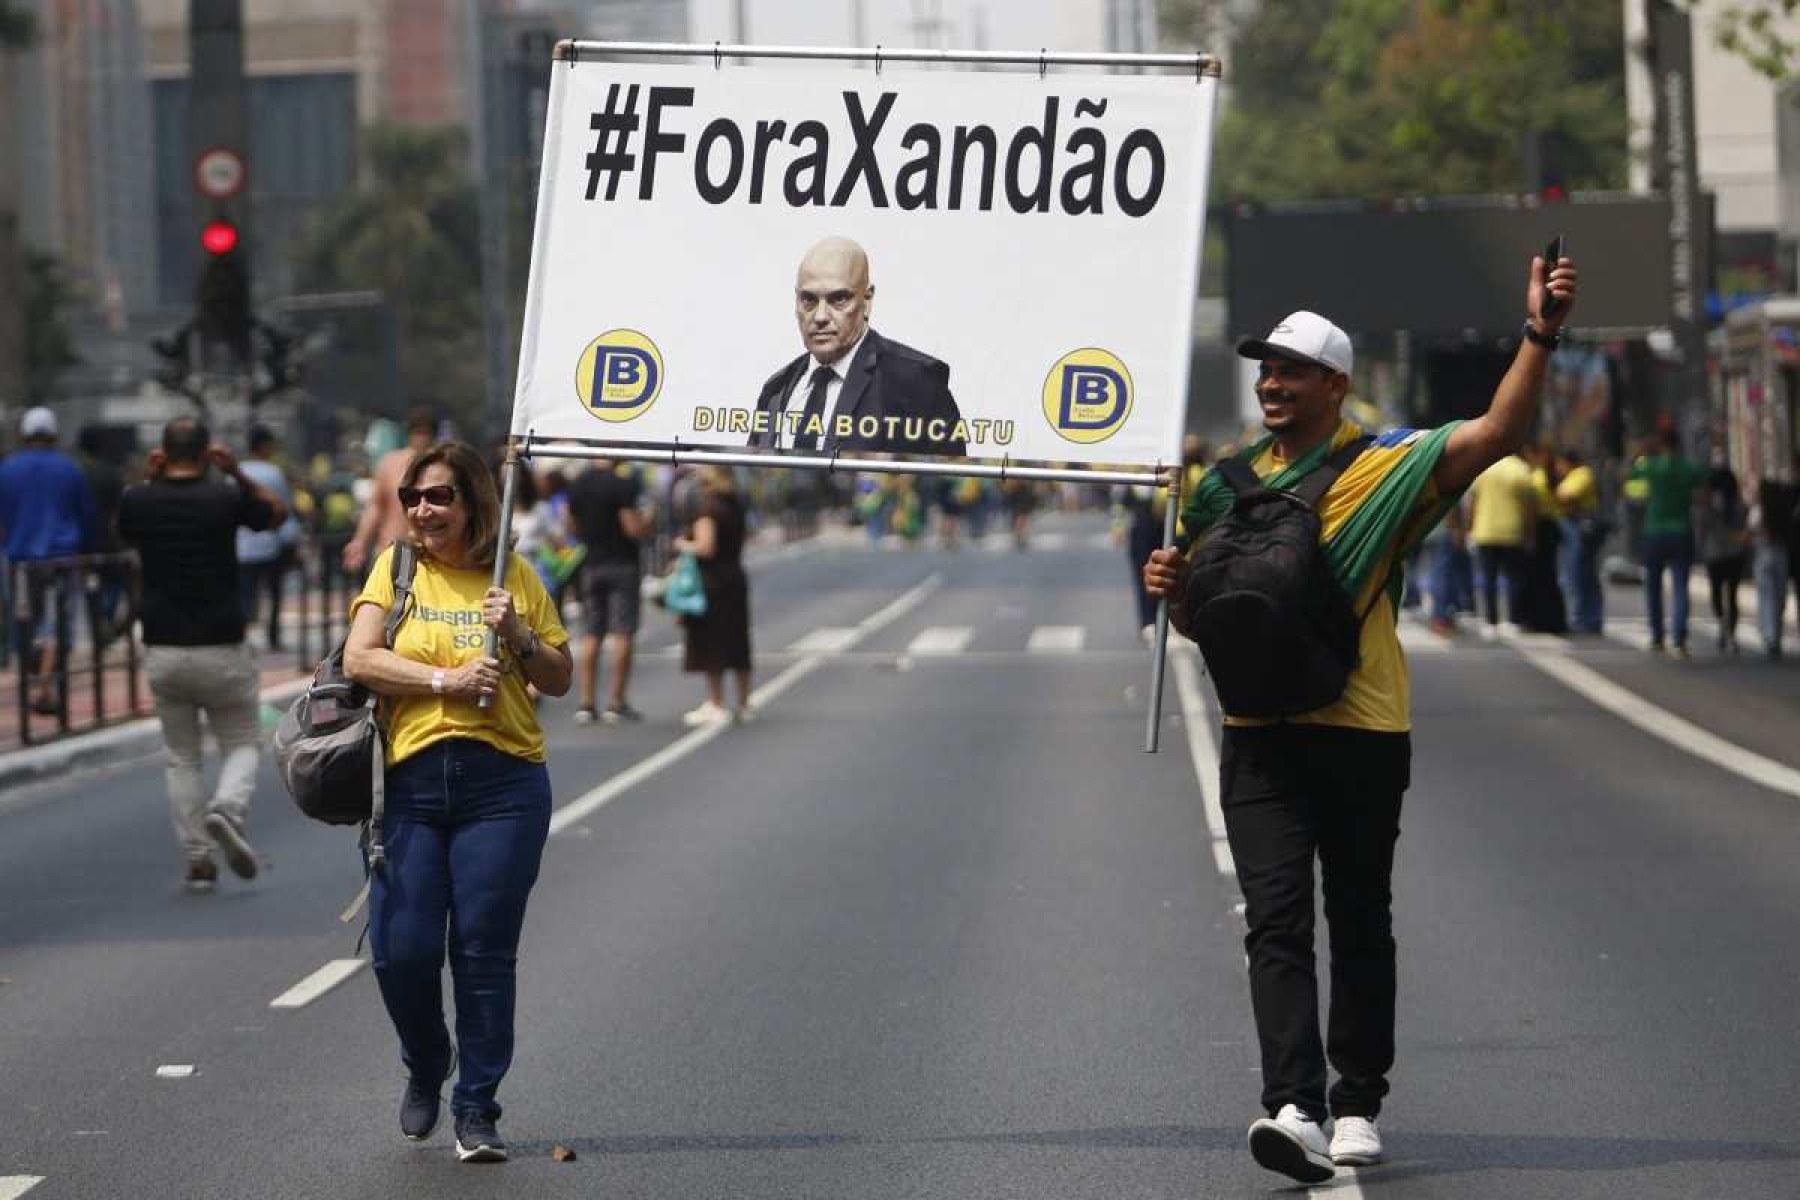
x: 853, y: 389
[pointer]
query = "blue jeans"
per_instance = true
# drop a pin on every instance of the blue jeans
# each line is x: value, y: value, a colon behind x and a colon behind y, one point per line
x: 465, y: 831
x: 1770, y: 566
x: 1580, y: 571
x: 1452, y: 583
x: 1673, y: 552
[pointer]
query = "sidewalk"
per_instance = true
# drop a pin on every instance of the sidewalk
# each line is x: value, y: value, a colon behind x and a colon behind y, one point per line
x: 128, y: 731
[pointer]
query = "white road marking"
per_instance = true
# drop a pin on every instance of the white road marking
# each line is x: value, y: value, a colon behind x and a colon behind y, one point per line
x: 175, y: 1071
x: 942, y: 639
x: 14, y: 1186
x: 1343, y: 1187
x: 1418, y: 639
x: 1057, y: 639
x: 1049, y: 541
x: 1204, y: 750
x: 586, y: 805
x: 1663, y: 724
x: 318, y: 983
x: 828, y: 640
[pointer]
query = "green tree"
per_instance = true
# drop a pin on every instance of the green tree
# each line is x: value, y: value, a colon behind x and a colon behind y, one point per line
x: 410, y: 231
x: 1384, y: 98
x: 1760, y: 32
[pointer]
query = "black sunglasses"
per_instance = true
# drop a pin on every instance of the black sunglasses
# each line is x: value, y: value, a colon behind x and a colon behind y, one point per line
x: 438, y: 496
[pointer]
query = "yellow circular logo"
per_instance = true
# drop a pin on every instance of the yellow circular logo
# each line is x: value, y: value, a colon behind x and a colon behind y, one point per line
x: 619, y: 375
x: 1087, y: 395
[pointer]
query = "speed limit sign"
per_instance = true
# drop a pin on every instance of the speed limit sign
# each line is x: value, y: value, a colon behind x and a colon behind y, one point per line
x: 219, y: 173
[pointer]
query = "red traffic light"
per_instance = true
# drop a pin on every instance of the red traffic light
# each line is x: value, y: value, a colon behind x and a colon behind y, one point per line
x: 219, y: 237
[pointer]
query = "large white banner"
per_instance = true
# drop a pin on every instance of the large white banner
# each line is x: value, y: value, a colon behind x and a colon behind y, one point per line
x: 990, y: 265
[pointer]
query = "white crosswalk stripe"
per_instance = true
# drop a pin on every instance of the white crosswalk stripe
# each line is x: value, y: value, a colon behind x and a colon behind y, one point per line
x: 826, y: 640
x: 1417, y: 639
x: 1057, y: 639
x: 942, y: 639
x: 14, y: 1186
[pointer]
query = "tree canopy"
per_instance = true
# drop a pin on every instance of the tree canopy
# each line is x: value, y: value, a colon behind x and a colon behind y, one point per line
x: 410, y: 230
x: 1386, y: 98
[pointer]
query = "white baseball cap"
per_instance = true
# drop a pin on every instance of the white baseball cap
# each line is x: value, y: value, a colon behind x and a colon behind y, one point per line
x: 37, y: 422
x: 1306, y: 337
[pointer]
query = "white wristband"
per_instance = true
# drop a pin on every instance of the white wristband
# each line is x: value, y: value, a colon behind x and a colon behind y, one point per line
x: 437, y: 682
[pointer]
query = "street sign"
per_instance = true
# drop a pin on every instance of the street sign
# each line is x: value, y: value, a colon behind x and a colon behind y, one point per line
x: 219, y: 174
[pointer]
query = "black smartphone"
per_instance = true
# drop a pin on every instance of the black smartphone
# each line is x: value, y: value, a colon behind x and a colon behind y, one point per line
x: 1553, y: 254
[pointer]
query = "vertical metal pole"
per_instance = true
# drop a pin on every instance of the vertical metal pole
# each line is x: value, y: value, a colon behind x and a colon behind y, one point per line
x: 1159, y: 656
x: 27, y: 656
x: 508, y: 490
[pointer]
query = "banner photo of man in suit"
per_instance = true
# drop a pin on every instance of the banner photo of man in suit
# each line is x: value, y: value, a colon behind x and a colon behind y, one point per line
x: 853, y: 389
x: 1033, y: 240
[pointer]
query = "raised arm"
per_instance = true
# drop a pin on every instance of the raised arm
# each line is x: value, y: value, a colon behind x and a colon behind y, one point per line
x: 1478, y: 444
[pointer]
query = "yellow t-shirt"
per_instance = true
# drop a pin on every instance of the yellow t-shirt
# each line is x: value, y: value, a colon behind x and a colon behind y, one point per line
x: 1500, y: 494
x: 444, y: 629
x: 1579, y: 492
x: 1378, y: 694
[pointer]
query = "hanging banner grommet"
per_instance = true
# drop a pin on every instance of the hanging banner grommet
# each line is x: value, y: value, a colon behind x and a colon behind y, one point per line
x: 878, y: 58
x: 718, y: 58
x: 1043, y: 62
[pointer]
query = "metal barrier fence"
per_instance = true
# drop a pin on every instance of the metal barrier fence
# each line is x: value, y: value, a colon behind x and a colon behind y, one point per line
x: 51, y: 604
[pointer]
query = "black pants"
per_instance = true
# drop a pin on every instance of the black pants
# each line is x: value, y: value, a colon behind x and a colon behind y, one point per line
x: 1293, y: 793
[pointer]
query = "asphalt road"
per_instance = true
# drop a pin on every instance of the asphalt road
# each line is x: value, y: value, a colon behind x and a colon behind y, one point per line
x: 935, y: 926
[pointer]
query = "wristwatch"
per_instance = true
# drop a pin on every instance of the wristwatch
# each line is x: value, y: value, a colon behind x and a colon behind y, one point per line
x: 1548, y: 341
x: 531, y: 647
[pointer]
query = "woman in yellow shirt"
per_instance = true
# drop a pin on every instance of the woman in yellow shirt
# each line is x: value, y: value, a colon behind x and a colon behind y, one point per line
x: 468, y: 797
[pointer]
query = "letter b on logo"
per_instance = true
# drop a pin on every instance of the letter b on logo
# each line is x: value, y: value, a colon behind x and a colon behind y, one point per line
x: 619, y: 375
x: 1087, y: 396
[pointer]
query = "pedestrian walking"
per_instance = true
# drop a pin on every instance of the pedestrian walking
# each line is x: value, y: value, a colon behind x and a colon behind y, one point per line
x: 1543, y: 610
x: 184, y: 521
x: 1584, y: 532
x: 47, y: 514
x: 610, y: 515
x: 1722, y: 538
x: 1328, y: 783
x: 718, y: 640
x: 1502, y: 518
x: 1672, y: 481
x: 1772, y: 526
x: 467, y: 791
x: 266, y: 556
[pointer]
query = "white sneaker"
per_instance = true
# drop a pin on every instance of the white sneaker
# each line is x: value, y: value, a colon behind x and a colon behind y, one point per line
x: 1355, y: 1142
x: 1292, y: 1144
x: 707, y: 714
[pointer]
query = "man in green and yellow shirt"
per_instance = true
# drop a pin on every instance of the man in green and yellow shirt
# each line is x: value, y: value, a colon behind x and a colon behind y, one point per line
x: 1328, y: 784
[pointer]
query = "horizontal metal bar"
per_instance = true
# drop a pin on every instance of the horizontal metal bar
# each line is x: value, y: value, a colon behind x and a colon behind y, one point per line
x: 1201, y: 64
x: 535, y: 448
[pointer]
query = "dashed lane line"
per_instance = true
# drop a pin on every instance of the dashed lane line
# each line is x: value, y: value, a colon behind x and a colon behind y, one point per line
x: 318, y: 983
x: 942, y: 639
x: 831, y: 639
x: 14, y: 1186
x: 1661, y: 723
x: 585, y: 806
x: 1204, y: 750
x: 1057, y: 639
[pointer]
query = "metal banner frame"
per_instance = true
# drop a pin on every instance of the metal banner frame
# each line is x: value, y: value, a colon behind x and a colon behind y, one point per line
x: 572, y: 52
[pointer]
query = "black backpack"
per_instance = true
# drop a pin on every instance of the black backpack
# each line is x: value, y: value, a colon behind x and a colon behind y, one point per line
x: 1278, y: 634
x: 329, y: 746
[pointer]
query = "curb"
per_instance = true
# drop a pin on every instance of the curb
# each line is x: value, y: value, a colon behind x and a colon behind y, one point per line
x: 143, y: 736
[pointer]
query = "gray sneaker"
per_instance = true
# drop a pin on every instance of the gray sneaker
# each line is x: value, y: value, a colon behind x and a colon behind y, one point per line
x: 228, y: 831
